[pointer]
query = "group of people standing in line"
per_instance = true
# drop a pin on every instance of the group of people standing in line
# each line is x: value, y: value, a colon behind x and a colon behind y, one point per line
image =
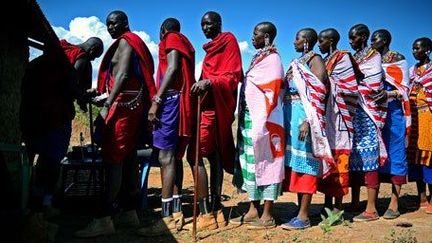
x: 327, y: 124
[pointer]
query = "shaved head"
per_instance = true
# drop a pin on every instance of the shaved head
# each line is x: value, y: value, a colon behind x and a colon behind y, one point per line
x: 269, y: 28
x: 425, y: 42
x: 310, y: 35
x: 94, y: 47
x: 120, y: 15
x: 171, y: 24
x: 360, y: 30
x: 331, y: 34
x: 211, y: 24
x: 384, y: 34
x: 214, y: 16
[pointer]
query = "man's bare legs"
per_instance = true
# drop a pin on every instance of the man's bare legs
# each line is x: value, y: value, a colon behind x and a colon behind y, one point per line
x: 216, y: 180
x: 178, y: 186
x: 168, y: 173
x: 305, y: 201
x: 371, y: 200
x: 396, y: 189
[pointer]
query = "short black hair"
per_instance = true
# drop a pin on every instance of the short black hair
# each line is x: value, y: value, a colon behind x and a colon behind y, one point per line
x: 331, y: 33
x: 269, y: 28
x: 214, y: 15
x: 361, y: 29
x: 384, y: 34
x: 171, y: 24
x: 311, y: 35
x: 425, y: 42
x: 97, y: 44
x: 122, y: 15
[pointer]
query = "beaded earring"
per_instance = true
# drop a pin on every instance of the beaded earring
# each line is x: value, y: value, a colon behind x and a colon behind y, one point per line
x: 331, y: 47
x: 266, y: 41
x: 305, y: 47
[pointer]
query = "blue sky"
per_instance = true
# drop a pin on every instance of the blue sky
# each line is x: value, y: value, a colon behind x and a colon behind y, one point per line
x: 406, y: 20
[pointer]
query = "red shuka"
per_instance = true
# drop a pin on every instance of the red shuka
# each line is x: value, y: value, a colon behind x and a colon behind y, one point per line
x: 184, y: 78
x: 72, y: 52
x: 222, y: 65
x: 123, y: 124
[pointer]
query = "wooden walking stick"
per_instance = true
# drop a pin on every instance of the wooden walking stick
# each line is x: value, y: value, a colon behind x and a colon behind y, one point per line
x: 197, y: 153
x: 93, y: 151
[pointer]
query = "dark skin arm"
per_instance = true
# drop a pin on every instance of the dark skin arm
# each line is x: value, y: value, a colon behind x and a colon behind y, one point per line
x: 125, y: 53
x: 318, y: 68
x: 82, y: 66
x: 200, y: 87
x: 173, y: 66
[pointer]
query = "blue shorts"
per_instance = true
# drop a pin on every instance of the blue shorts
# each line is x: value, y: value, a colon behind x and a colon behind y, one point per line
x: 166, y: 132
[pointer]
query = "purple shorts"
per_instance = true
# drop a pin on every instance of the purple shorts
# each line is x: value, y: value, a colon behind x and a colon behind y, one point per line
x: 166, y: 132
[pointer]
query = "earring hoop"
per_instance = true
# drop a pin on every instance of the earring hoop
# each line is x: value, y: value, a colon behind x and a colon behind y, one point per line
x: 266, y: 41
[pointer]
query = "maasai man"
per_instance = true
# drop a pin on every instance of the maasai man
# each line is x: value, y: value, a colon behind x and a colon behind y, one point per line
x: 221, y: 73
x: 261, y: 140
x: 51, y: 84
x: 420, y: 143
x: 307, y: 155
x: 343, y: 73
x: 368, y: 147
x: 172, y: 114
x: 126, y: 75
x: 398, y: 119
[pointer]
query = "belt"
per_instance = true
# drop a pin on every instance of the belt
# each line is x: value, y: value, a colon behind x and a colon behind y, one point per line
x: 170, y: 94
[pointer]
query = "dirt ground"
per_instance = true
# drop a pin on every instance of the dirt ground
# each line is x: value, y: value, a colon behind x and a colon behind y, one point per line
x: 412, y: 226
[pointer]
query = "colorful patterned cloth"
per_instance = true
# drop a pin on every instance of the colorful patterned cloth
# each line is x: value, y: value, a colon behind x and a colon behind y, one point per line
x: 368, y: 146
x: 263, y: 91
x: 398, y: 120
x: 312, y: 93
x: 419, y: 151
x: 298, y: 154
x: 369, y: 62
x: 339, y: 115
x: 365, y: 151
x: 247, y: 163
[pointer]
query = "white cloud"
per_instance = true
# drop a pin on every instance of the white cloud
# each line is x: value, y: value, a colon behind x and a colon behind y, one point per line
x: 198, y: 69
x: 244, y: 47
x: 152, y: 46
x: 82, y: 28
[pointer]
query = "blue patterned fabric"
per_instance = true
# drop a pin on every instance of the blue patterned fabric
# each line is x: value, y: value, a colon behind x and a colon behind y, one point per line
x: 365, y: 152
x: 394, y: 132
x: 298, y: 154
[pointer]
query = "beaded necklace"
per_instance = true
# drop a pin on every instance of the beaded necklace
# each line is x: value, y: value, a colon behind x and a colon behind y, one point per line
x: 389, y: 57
x: 420, y: 70
x: 330, y: 57
x: 306, y: 57
x: 261, y: 54
x: 303, y: 60
x: 360, y: 56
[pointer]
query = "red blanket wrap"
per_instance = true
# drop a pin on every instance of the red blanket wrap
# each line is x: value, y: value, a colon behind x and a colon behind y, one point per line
x: 123, y: 124
x: 222, y: 65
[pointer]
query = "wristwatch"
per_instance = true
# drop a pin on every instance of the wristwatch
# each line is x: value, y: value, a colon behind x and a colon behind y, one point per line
x: 157, y: 99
